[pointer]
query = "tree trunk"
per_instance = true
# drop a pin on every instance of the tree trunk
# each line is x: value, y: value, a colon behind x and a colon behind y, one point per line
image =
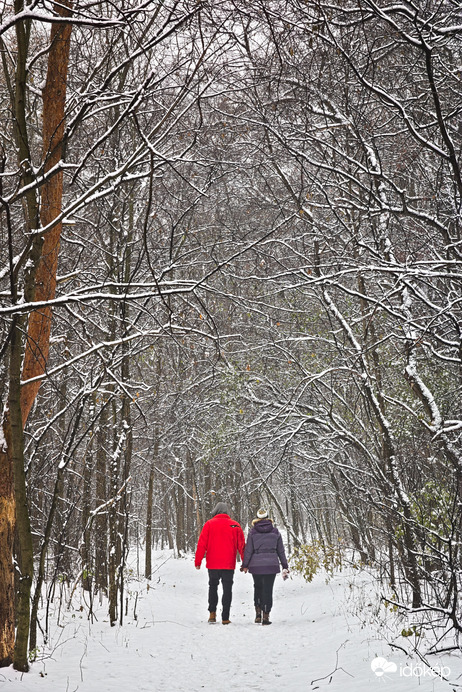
x: 101, y: 524
x: 113, y: 522
x: 126, y: 416
x: 9, y: 448
x: 167, y: 519
x: 7, y: 521
x: 148, y: 541
x: 180, y: 530
x: 85, y: 548
x: 41, y: 566
x: 25, y: 557
x: 13, y: 499
x: 54, y: 100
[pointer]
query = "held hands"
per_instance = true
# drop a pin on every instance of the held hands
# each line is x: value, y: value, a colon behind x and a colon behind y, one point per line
x: 244, y: 569
x: 198, y: 566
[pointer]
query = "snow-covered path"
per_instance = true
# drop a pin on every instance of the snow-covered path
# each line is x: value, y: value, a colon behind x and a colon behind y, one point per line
x: 320, y: 639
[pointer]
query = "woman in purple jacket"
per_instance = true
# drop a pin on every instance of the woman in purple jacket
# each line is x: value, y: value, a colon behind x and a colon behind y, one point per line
x: 263, y: 553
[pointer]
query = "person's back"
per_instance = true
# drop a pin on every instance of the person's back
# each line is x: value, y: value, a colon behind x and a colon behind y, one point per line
x: 220, y: 540
x: 263, y: 553
x: 265, y: 542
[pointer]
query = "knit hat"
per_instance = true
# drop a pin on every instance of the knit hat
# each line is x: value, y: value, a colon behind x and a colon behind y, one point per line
x: 220, y: 508
x: 262, y: 514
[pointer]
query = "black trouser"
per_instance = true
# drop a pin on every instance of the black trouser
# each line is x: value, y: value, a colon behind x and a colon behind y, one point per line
x: 263, y: 591
x: 226, y: 576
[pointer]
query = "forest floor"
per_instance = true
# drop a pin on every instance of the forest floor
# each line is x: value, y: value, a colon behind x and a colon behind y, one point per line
x: 324, y: 636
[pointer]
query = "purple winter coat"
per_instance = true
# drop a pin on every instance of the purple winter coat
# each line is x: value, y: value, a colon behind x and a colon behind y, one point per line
x: 264, y: 549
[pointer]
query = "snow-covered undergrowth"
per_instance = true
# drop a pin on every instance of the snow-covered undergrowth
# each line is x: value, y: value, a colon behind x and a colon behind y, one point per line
x: 331, y: 636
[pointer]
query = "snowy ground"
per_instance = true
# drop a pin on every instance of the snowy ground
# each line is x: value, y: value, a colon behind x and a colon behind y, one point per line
x: 323, y: 637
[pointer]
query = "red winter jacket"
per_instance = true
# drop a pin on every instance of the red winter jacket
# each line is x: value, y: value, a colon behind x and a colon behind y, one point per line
x: 220, y: 540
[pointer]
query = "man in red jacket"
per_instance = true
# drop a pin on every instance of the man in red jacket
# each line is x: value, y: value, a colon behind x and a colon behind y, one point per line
x: 220, y: 540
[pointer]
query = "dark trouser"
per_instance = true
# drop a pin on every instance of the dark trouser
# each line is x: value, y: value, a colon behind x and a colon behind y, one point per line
x: 226, y: 576
x: 263, y: 591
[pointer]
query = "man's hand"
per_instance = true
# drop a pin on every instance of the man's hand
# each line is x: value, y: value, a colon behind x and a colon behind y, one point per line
x: 198, y: 566
x: 244, y: 569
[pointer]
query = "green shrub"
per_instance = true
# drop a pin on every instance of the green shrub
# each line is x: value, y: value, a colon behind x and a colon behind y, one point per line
x: 307, y: 559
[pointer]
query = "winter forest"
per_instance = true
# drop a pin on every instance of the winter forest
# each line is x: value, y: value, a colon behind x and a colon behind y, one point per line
x: 230, y: 269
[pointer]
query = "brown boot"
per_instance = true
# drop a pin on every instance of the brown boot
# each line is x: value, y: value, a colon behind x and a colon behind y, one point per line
x: 226, y: 622
x: 266, y: 620
x: 212, y: 617
x: 258, y: 615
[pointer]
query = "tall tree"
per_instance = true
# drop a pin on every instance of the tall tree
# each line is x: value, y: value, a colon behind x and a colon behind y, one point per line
x: 41, y: 287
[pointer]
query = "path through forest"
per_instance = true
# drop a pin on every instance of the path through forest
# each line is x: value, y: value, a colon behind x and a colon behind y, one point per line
x: 323, y: 637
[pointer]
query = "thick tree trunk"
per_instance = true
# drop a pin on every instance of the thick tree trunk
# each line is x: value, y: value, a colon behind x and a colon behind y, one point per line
x: 7, y: 452
x: 13, y: 485
x: 54, y: 101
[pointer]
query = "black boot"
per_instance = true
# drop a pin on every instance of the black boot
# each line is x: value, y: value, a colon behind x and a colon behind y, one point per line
x: 266, y: 620
x: 258, y: 615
